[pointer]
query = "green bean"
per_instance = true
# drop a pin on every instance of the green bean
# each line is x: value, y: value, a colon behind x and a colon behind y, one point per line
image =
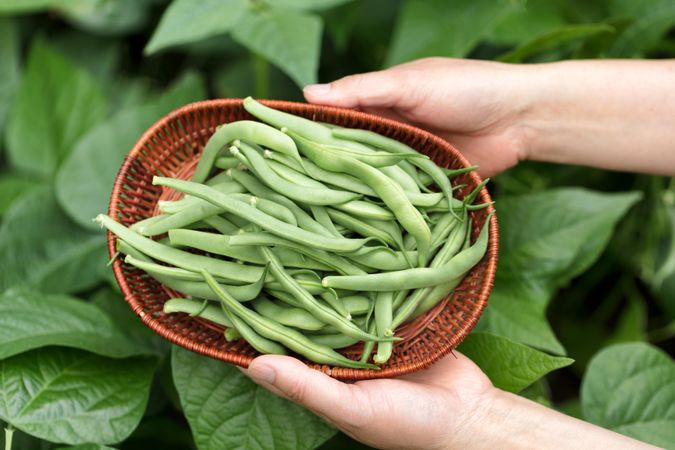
x: 365, y: 209
x: 388, y: 144
x: 185, y: 260
x: 231, y: 334
x: 336, y: 303
x: 147, y: 222
x: 212, y: 313
x: 309, y: 195
x: 221, y: 224
x: 261, y: 219
x: 433, y: 296
x: 261, y: 344
x: 218, y: 244
x: 304, y: 220
x: 293, y: 176
x: 282, y: 296
x: 375, y: 158
x: 449, y: 173
x: 292, y: 317
x: 356, y: 304
x: 243, y: 129
x: 178, y: 280
x: 391, y: 193
x: 457, y: 241
x: 307, y: 301
x: 332, y: 340
x: 321, y: 215
x: 383, y: 258
x: 368, y: 346
x: 255, y: 239
x: 442, y: 229
x: 417, y: 277
x: 226, y: 162
x: 286, y: 336
x: 383, y: 318
x: 360, y: 226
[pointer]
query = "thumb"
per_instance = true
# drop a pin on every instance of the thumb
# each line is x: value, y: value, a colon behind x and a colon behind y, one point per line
x: 368, y: 90
x: 290, y: 378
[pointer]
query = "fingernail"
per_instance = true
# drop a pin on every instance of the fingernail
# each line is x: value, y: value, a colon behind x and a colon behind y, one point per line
x: 318, y: 90
x: 262, y: 373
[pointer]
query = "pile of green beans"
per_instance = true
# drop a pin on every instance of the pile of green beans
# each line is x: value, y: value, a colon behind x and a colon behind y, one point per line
x: 299, y: 236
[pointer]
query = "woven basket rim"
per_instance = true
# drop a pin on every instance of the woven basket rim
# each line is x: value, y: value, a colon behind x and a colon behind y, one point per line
x: 244, y: 360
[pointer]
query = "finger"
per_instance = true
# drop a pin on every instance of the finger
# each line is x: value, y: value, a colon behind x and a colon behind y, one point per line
x: 373, y: 89
x: 292, y: 379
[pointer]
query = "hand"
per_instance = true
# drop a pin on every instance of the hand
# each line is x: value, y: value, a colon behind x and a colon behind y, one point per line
x: 424, y: 410
x: 478, y: 106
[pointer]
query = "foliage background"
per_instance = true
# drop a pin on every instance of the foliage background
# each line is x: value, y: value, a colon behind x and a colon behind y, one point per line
x: 586, y: 283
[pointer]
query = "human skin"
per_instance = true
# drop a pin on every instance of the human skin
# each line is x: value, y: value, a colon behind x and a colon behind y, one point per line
x: 608, y: 114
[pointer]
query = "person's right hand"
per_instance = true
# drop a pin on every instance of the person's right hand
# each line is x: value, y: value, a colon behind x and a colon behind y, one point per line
x: 476, y: 105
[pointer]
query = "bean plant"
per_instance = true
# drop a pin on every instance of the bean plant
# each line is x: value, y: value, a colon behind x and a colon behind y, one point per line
x: 583, y: 307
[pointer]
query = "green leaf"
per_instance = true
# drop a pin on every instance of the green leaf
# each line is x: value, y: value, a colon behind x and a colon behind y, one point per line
x: 57, y: 102
x: 225, y: 409
x: 437, y: 28
x: 554, y: 39
x: 85, y: 180
x: 188, y: 21
x: 100, y: 56
x: 12, y: 187
x: 546, y: 239
x: 143, y: 338
x: 651, y: 20
x: 23, y: 6
x: 40, y: 247
x: 9, y: 69
x: 291, y: 40
x: 509, y: 365
x: 74, y: 397
x: 30, y: 320
x: 303, y: 5
x: 87, y: 447
x: 538, y: 17
x: 106, y: 17
x: 632, y: 323
x: 630, y: 388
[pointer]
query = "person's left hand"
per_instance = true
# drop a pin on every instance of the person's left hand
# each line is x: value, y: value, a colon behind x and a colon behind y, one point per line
x: 426, y: 409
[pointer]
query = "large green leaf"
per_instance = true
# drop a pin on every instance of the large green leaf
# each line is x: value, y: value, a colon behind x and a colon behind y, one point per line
x: 438, y: 28
x: 546, y: 239
x: 188, y: 21
x: 57, y: 102
x: 9, y: 69
x: 225, y: 409
x: 30, y: 320
x: 651, y: 20
x: 630, y: 388
x: 23, y: 6
x: 106, y: 17
x: 74, y: 397
x: 509, y: 365
x: 307, y: 4
x: 538, y: 17
x: 289, y: 39
x: 553, y: 39
x: 12, y: 187
x: 42, y: 248
x: 85, y: 180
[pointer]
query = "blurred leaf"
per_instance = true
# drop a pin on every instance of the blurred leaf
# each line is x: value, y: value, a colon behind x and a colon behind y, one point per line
x: 106, y: 17
x: 74, y: 397
x: 553, y: 39
x: 509, y: 365
x: 100, y: 56
x: 651, y: 20
x: 546, y: 239
x: 630, y: 388
x: 632, y: 323
x: 85, y: 180
x: 187, y: 21
x: 57, y: 102
x: 23, y: 6
x: 87, y: 447
x: 571, y: 408
x: 9, y: 69
x: 341, y: 442
x: 160, y: 432
x: 290, y: 40
x: 12, y: 187
x: 30, y: 320
x: 226, y: 409
x: 302, y: 5
x: 539, y: 391
x: 42, y: 248
x: 432, y: 28
x: 667, y: 265
x: 112, y: 303
x: 536, y: 18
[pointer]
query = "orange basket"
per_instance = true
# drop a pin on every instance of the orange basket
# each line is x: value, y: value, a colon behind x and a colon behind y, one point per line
x: 172, y: 146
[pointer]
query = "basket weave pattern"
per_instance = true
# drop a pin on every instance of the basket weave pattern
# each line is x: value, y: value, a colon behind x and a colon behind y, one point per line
x: 171, y: 148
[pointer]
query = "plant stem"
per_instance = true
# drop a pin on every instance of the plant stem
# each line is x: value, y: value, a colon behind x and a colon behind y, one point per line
x: 662, y: 334
x: 9, y: 434
x: 262, y: 75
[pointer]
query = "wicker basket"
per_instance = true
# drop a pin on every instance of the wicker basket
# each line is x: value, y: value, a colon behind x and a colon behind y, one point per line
x: 171, y: 147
